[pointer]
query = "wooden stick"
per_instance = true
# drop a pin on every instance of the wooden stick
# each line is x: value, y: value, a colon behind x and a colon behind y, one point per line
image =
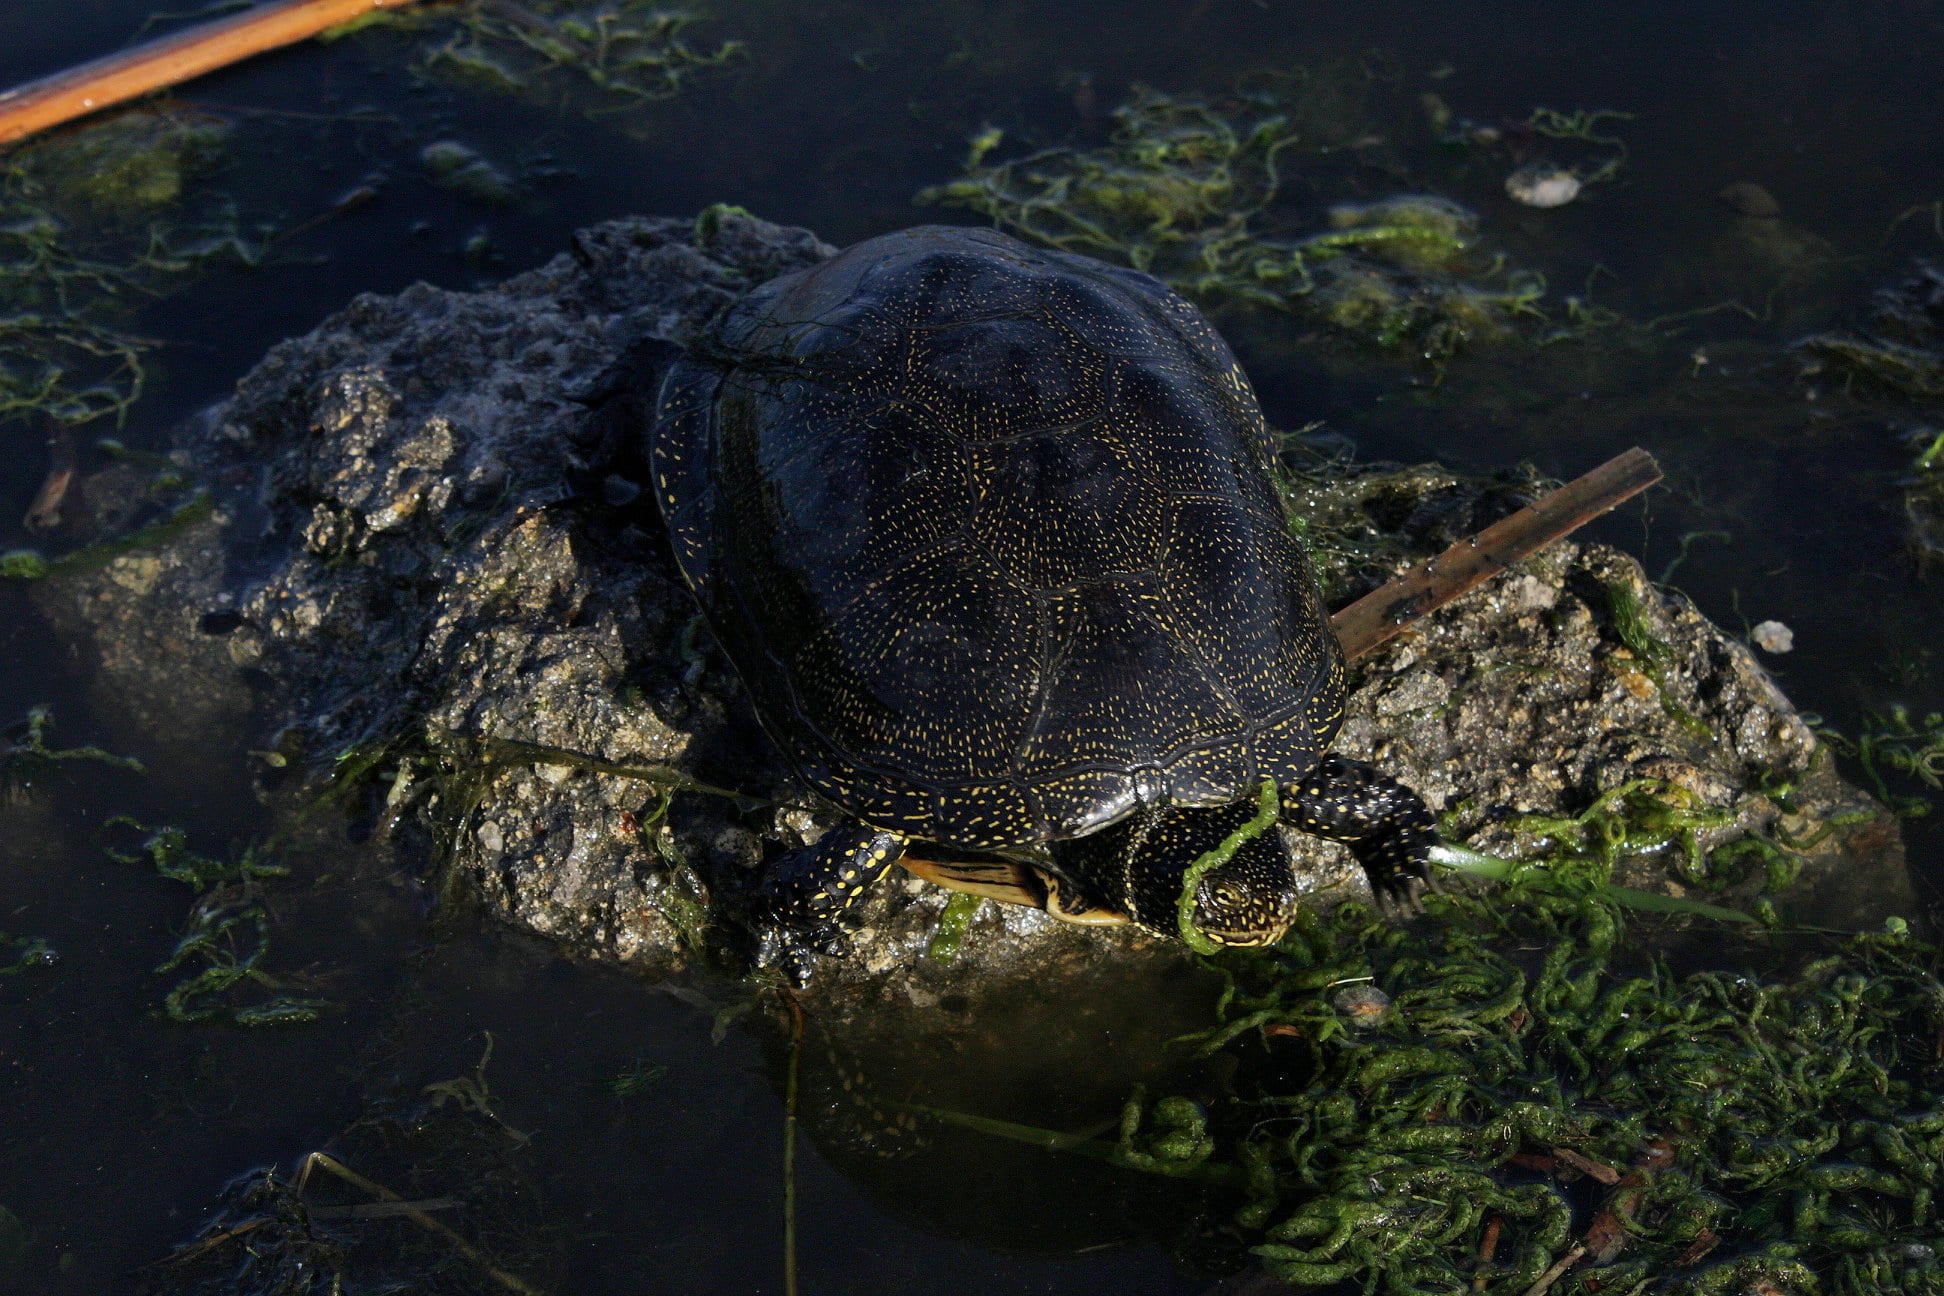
x: 1383, y: 613
x: 29, y: 109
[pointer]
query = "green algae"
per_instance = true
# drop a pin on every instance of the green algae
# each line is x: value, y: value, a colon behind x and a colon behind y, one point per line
x: 20, y: 954
x: 1898, y: 348
x: 1923, y: 498
x: 1630, y: 623
x: 607, y: 58
x: 952, y: 922
x: 460, y: 169
x: 221, y: 949
x: 1803, y: 1112
x: 637, y: 1080
x: 1894, y: 744
x: 1193, y: 192
x: 1268, y: 809
x: 128, y: 166
x: 25, y: 755
x: 1539, y: 1097
x: 27, y: 564
x: 93, y: 222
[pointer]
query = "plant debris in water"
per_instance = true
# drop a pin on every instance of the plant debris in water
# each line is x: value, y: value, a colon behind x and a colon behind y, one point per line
x: 627, y: 53
x: 1193, y: 191
x: 1494, y: 1099
x: 1900, y: 347
x: 337, y: 1226
x: 25, y: 755
x: 1894, y: 744
x: 91, y: 225
x: 223, y: 944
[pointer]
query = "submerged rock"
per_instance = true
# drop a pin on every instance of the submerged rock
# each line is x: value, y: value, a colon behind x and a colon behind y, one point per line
x: 431, y: 559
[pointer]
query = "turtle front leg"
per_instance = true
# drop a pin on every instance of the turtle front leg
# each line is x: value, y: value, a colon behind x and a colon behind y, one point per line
x: 1385, y: 824
x: 809, y: 892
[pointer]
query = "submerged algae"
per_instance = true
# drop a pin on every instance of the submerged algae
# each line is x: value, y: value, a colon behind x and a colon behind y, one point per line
x: 1899, y: 347
x: 226, y: 936
x: 1529, y: 1101
x: 25, y: 755
x: 83, y: 239
x: 627, y: 53
x: 1192, y: 191
x: 1519, y: 1056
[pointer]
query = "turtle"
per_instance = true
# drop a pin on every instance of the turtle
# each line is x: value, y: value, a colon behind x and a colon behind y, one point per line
x: 991, y: 534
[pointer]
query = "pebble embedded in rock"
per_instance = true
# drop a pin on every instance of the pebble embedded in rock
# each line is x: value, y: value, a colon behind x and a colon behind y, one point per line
x: 1541, y: 184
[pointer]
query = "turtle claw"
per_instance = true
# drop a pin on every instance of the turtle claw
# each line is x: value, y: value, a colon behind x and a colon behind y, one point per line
x: 795, y: 947
x: 1401, y: 899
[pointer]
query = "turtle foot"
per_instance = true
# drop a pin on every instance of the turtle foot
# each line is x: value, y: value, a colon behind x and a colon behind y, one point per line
x: 810, y: 893
x: 1385, y: 824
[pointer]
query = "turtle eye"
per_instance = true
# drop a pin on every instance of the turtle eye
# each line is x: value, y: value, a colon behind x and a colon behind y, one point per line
x: 1225, y: 895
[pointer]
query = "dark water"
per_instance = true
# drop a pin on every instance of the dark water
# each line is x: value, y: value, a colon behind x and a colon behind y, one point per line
x: 118, y: 1128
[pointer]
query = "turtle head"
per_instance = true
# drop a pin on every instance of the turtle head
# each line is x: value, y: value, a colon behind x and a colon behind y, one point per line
x: 1140, y: 866
x: 1250, y: 900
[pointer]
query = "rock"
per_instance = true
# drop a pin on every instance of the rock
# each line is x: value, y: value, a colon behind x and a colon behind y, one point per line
x: 419, y: 556
x: 1541, y: 184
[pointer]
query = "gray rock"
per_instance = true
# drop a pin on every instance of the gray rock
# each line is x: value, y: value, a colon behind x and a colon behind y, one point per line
x: 423, y: 560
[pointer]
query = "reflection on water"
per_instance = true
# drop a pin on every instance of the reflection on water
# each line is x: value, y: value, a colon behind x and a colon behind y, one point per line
x: 338, y: 162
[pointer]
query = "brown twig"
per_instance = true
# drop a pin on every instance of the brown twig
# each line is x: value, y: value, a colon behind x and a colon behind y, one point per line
x: 414, y: 1212
x: 1552, y: 1275
x: 44, y: 514
x: 1487, y: 1249
x: 1606, y: 1174
x: 29, y: 109
x: 1383, y: 613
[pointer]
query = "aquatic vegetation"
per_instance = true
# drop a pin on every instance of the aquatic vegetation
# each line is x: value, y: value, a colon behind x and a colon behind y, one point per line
x: 1505, y: 1099
x: 1923, y: 498
x: 23, y: 953
x: 91, y: 226
x: 129, y: 165
x: 1524, y: 1100
x: 25, y: 755
x: 1506, y: 1096
x: 227, y: 934
x: 471, y: 1093
x: 1894, y: 744
x: 1193, y: 192
x: 1899, y: 349
x: 270, y: 1236
x: 27, y: 564
x: 952, y: 922
x: 624, y: 53
x: 637, y: 1080
x: 1631, y: 624
x: 457, y: 167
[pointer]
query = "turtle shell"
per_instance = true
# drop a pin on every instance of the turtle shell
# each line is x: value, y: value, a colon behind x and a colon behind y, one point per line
x: 991, y: 536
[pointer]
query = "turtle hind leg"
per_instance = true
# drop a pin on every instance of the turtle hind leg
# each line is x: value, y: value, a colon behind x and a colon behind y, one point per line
x: 811, y: 891
x: 1385, y: 824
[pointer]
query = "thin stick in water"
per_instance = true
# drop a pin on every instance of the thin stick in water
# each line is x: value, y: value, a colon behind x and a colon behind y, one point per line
x: 40, y: 105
